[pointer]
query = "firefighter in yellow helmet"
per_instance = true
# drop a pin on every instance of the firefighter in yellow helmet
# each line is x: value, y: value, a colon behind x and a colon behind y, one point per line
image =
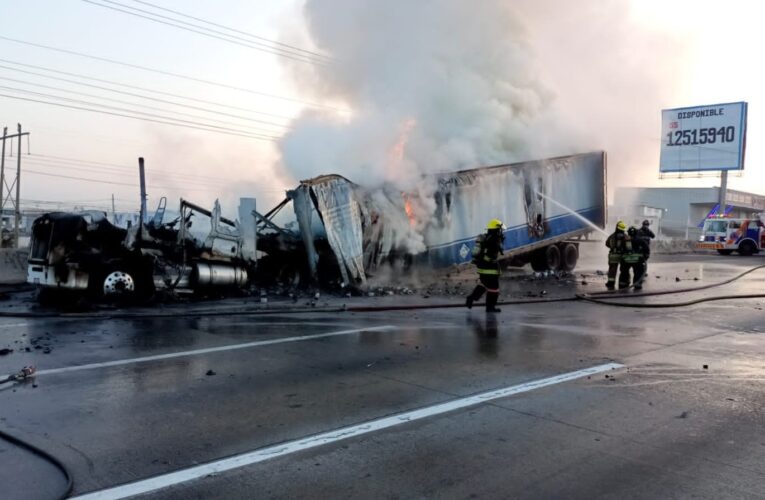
x: 617, y: 247
x: 486, y: 252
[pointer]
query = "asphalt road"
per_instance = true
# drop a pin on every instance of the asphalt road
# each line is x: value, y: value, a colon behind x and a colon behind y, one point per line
x: 682, y: 418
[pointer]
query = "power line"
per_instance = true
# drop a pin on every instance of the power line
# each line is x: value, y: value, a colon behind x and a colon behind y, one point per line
x: 86, y: 179
x: 206, y: 110
x: 202, y: 127
x: 105, y: 170
x: 113, y: 183
x: 126, y: 85
x: 117, y: 108
x: 176, y: 75
x: 100, y: 170
x: 181, y: 113
x: 291, y: 53
x: 77, y: 161
x: 99, y: 181
x: 234, y: 30
x: 157, y: 18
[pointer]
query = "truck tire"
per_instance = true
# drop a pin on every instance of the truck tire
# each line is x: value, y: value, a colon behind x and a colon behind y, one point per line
x: 553, y: 258
x: 118, y: 283
x: 546, y: 259
x: 724, y: 252
x: 569, y: 253
x: 538, y: 262
x: 747, y: 247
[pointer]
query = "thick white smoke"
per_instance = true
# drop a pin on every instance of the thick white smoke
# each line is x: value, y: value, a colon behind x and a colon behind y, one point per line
x: 432, y: 85
x: 465, y: 83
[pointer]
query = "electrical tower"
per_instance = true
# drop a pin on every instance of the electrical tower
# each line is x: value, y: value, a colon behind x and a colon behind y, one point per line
x: 10, y: 194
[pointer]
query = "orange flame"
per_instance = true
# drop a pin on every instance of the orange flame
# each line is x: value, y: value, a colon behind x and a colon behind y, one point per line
x: 409, y: 211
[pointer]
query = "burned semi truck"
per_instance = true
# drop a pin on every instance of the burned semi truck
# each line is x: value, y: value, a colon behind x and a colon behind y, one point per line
x: 546, y: 206
x: 84, y: 252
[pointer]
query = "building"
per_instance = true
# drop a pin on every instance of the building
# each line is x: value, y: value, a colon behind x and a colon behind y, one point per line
x: 680, y: 212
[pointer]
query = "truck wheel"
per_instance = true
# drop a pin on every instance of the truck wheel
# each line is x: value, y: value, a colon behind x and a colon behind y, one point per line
x: 539, y: 260
x: 552, y: 256
x: 569, y: 256
x: 747, y: 248
x: 118, y: 283
x: 724, y: 252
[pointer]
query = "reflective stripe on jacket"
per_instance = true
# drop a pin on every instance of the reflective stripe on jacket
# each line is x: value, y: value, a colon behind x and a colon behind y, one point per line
x: 486, y: 254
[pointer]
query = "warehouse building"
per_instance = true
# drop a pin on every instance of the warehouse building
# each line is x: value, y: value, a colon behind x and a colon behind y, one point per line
x: 680, y: 212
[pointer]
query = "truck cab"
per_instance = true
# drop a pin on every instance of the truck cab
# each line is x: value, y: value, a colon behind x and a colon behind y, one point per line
x: 728, y: 235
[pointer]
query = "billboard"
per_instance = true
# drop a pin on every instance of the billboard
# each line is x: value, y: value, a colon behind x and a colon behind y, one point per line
x: 703, y: 138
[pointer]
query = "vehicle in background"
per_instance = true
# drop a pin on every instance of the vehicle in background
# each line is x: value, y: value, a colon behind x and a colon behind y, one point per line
x: 728, y: 235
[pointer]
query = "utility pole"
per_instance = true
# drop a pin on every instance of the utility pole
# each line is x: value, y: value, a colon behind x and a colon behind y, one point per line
x: 142, y: 179
x: 2, y: 178
x: 114, y: 212
x: 17, y: 225
x: 6, y: 191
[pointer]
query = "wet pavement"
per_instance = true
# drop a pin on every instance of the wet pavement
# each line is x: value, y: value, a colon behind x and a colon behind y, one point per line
x: 152, y: 396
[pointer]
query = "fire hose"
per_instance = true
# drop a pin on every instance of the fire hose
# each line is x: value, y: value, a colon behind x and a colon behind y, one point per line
x: 23, y: 374
x: 596, y: 297
x: 28, y: 371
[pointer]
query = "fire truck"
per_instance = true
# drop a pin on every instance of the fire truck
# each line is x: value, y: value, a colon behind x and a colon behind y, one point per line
x: 728, y: 235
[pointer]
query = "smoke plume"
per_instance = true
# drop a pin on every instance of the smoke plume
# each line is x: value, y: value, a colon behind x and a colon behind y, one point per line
x: 432, y: 85
x: 439, y: 85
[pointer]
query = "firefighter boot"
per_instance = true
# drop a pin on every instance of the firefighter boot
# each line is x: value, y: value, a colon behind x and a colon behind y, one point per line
x: 475, y: 295
x: 491, y: 302
x: 612, y: 270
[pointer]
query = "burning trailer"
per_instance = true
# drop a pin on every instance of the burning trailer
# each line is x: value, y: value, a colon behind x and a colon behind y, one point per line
x: 547, y: 207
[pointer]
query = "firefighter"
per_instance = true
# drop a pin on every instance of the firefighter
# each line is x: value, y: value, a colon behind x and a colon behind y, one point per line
x: 616, y: 245
x: 633, y: 259
x: 645, y: 234
x: 486, y: 252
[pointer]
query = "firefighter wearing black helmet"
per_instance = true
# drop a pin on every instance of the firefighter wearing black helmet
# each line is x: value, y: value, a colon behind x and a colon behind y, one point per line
x: 616, y: 244
x: 486, y: 252
x: 645, y: 234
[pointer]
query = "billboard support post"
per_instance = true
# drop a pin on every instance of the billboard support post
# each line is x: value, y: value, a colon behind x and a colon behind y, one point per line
x: 723, y: 191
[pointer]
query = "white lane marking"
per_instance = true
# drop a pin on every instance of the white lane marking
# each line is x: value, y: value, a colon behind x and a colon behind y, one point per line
x: 279, y: 450
x: 560, y: 328
x: 195, y: 352
x: 12, y: 325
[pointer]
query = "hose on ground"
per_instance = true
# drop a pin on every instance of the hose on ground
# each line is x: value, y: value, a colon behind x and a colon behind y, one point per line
x: 594, y: 297
x: 671, y: 304
x: 681, y: 290
x: 615, y: 295
x: 45, y: 456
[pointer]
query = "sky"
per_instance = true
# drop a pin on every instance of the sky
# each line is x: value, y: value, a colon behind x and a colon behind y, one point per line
x: 601, y: 69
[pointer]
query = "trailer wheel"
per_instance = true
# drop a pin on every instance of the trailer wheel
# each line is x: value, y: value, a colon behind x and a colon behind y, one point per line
x: 724, y: 252
x: 747, y: 247
x: 538, y: 260
x: 569, y: 256
x: 553, y: 258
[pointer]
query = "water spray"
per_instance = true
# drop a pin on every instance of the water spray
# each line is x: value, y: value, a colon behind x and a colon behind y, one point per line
x: 576, y: 214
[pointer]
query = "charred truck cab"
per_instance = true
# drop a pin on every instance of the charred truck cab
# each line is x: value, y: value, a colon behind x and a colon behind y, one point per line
x: 84, y: 252
x: 70, y: 250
